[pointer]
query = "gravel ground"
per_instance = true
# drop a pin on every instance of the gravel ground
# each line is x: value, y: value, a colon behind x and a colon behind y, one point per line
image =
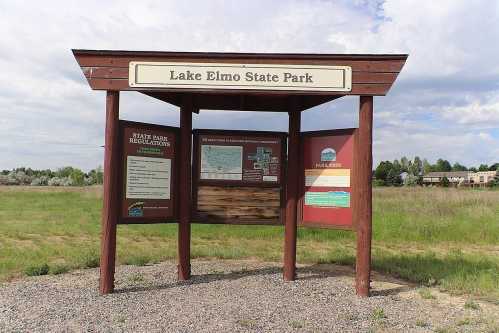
x: 231, y: 296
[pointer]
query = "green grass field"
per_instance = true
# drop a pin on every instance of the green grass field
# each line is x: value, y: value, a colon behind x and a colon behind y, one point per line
x: 443, y: 237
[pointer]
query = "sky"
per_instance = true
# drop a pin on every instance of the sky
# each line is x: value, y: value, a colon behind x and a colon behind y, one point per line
x: 444, y: 104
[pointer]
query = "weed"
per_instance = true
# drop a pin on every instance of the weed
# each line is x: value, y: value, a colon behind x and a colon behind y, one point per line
x: 296, y: 324
x: 425, y: 293
x: 421, y: 323
x: 89, y: 259
x: 217, y: 272
x: 36, y: 270
x: 246, y: 322
x: 441, y: 330
x: 378, y: 314
x: 136, y: 277
x: 470, y: 304
x: 465, y: 321
x: 137, y: 261
x: 59, y: 269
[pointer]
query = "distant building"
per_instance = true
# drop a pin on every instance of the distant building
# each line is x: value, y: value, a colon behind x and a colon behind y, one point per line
x: 460, y: 178
x: 482, y: 177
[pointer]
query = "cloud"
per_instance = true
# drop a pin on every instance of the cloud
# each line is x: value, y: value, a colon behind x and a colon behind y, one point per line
x: 446, y: 95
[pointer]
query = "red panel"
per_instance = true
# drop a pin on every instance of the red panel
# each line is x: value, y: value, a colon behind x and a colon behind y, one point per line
x: 327, y: 178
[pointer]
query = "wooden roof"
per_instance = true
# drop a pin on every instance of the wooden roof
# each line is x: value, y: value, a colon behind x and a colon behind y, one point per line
x: 371, y: 75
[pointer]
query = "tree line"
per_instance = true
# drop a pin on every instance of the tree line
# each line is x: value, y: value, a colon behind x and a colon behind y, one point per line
x: 389, y: 173
x: 66, y: 176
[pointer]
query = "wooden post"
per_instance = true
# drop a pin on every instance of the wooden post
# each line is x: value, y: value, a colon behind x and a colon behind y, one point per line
x: 363, y: 215
x: 110, y: 197
x: 292, y: 179
x: 184, y: 223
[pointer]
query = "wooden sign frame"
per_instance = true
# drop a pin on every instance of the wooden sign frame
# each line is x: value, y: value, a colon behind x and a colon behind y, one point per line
x: 197, y: 182
x: 372, y: 75
x: 123, y: 124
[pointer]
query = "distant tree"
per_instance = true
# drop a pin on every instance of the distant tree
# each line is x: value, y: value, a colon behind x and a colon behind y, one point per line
x: 427, y: 167
x: 443, y: 165
x: 404, y: 164
x: 64, y: 172
x: 5, y: 172
x: 96, y: 176
x: 416, y: 167
x: 472, y: 169
x: 483, y: 167
x: 381, y: 172
x: 445, y: 182
x: 458, y: 167
x: 77, y: 177
x: 411, y: 180
x: 494, y: 167
x: 393, y: 177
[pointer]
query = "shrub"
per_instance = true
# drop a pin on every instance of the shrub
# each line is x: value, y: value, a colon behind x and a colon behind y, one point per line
x: 35, y: 270
x: 59, y: 269
x: 137, y: 261
x: 89, y: 259
x: 445, y: 182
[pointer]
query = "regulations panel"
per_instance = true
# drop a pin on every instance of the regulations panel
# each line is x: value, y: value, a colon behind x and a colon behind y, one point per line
x: 148, y: 174
x: 327, y: 178
x: 237, y: 176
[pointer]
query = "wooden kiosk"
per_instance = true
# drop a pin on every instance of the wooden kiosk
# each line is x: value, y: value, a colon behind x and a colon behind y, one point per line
x: 160, y: 174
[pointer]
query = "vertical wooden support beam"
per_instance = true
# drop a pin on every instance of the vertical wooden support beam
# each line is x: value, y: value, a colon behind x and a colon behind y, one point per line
x: 364, y: 162
x: 110, y: 205
x: 184, y: 223
x: 292, y: 179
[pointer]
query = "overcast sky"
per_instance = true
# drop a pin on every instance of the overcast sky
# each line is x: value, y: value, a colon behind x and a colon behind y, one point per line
x: 445, y: 102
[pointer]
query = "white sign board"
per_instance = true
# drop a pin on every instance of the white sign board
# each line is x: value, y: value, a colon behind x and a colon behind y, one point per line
x: 148, y: 177
x: 221, y: 162
x: 188, y: 75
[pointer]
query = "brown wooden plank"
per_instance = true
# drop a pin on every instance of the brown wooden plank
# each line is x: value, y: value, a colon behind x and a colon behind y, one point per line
x: 105, y: 72
x: 373, y: 77
x: 241, y: 212
x: 253, y: 203
x: 217, y: 220
x: 238, y: 192
x: 389, y: 65
x: 207, y: 201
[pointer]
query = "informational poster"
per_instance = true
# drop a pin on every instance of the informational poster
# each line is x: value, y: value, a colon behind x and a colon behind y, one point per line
x: 148, y: 172
x: 148, y: 177
x: 327, y: 178
x: 239, y: 157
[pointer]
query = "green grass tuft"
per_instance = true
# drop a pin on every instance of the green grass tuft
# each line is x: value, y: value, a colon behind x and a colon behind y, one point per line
x: 36, y: 270
x: 378, y: 314
x: 470, y: 304
x: 425, y: 293
x: 137, y: 260
x: 89, y: 259
x: 59, y: 269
